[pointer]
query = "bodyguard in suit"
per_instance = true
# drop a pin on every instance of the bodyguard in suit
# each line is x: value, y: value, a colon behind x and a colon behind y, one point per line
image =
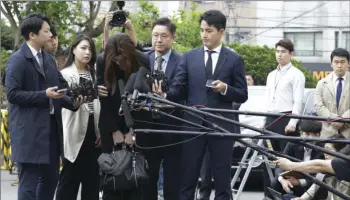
x: 332, y: 95
x: 163, y: 58
x: 225, y: 69
x: 35, y: 111
x: 308, y: 129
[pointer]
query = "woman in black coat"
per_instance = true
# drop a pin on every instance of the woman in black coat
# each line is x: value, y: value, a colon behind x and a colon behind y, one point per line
x: 119, y: 60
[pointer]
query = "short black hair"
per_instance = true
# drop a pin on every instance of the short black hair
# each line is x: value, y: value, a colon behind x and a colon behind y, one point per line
x: 32, y: 23
x: 214, y: 18
x: 310, y: 126
x: 164, y: 21
x: 338, y: 146
x: 248, y: 74
x: 286, y: 43
x: 340, y: 52
x: 53, y: 30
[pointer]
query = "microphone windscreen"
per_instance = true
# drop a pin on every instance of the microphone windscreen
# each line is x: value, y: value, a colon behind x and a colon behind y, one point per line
x: 140, y: 82
x: 127, y: 115
x: 129, y: 88
x: 121, y: 86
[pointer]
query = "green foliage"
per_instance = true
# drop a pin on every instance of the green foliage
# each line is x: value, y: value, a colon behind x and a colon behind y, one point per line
x: 188, y: 27
x: 142, y: 21
x: 6, y: 36
x: 5, y: 54
x: 260, y: 61
x: 63, y: 15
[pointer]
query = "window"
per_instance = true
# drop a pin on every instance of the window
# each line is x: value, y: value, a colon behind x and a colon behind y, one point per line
x: 306, y: 43
x: 345, y: 39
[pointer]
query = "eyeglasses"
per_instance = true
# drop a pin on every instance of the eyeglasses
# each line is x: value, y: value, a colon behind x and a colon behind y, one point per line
x: 162, y: 36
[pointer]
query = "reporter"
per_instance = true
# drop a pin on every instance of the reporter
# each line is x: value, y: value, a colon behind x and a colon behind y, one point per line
x: 119, y: 60
x: 80, y: 131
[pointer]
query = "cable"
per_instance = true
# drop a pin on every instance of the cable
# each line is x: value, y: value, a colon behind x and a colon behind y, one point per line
x: 296, y: 17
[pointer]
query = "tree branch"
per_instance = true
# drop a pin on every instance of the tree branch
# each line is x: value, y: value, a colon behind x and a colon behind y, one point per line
x: 8, y: 14
x: 97, y: 10
x: 29, y: 7
x: 16, y: 11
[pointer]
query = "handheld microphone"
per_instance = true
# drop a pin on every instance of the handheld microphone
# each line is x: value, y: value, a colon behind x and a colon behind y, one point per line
x: 140, y: 84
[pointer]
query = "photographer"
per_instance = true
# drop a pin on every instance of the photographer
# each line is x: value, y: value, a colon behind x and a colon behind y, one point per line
x: 80, y: 133
x: 119, y: 60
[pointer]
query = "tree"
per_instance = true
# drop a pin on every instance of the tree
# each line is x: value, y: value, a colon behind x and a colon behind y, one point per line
x: 260, y: 61
x: 6, y: 36
x: 67, y: 16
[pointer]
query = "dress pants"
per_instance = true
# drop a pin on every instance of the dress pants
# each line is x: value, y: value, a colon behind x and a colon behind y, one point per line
x: 206, y: 177
x: 39, y: 181
x: 221, y: 158
x: 84, y: 170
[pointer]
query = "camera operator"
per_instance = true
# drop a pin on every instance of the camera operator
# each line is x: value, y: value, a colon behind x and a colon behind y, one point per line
x: 119, y: 60
x: 164, y: 62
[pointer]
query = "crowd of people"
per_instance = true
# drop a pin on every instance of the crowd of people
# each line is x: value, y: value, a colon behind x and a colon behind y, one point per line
x: 48, y: 125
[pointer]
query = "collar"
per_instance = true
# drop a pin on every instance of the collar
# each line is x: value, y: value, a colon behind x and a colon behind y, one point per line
x: 165, y: 56
x: 285, y: 68
x: 34, y: 51
x: 217, y: 49
x: 335, y: 77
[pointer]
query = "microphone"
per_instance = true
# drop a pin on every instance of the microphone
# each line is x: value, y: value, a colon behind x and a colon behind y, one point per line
x: 129, y: 88
x: 140, y: 85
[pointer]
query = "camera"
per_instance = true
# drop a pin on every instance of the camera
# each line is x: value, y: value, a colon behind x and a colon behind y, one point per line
x: 119, y: 16
x: 158, y: 75
x: 85, y: 88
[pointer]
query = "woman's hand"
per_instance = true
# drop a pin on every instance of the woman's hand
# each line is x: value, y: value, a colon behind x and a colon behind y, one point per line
x: 118, y: 137
x: 102, y: 91
x: 129, y: 139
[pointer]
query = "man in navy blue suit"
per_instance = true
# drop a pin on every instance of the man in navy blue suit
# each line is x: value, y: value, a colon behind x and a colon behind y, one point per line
x: 165, y: 59
x: 224, y: 69
x: 35, y: 105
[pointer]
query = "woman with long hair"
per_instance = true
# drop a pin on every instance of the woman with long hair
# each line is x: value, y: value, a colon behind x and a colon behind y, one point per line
x: 80, y: 129
x: 119, y: 60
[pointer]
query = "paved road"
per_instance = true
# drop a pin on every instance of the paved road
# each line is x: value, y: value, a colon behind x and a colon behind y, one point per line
x: 9, y: 192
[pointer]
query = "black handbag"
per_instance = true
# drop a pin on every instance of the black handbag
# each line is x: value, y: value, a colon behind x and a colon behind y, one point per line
x: 123, y: 169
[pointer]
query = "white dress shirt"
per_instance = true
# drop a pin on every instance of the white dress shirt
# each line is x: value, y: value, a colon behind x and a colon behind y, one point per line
x: 285, y: 91
x: 34, y: 52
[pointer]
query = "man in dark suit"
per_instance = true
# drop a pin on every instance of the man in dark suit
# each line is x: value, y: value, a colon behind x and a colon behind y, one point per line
x: 163, y: 58
x: 307, y: 129
x: 224, y: 70
x: 35, y: 111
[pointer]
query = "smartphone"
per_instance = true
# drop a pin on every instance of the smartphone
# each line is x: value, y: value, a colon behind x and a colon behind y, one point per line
x: 210, y: 83
x: 62, y: 90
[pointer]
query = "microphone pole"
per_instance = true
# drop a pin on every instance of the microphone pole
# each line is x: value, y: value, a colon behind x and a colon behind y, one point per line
x: 127, y: 115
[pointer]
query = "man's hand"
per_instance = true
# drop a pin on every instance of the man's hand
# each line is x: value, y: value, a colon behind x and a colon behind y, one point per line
x: 79, y: 101
x: 286, y: 185
x: 108, y: 18
x: 289, y: 129
x: 219, y: 86
x: 283, y: 163
x: 293, y: 180
x: 156, y: 88
x: 98, y: 142
x: 129, y: 139
x: 337, y: 125
x: 128, y: 25
x: 118, y: 137
x: 102, y: 91
x: 51, y: 93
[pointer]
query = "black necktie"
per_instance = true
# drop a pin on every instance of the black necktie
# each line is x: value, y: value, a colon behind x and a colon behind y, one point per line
x: 339, y: 90
x: 209, y: 65
x: 159, y: 61
x: 41, y: 62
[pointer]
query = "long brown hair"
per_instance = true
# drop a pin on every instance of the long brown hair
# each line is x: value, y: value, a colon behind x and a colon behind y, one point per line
x: 120, y: 56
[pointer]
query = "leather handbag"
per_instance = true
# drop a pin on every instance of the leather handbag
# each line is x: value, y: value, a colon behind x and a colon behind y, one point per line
x: 123, y: 169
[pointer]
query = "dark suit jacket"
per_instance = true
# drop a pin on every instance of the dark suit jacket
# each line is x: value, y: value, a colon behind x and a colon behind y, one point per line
x: 190, y: 83
x: 110, y: 121
x: 29, y: 106
x: 297, y: 151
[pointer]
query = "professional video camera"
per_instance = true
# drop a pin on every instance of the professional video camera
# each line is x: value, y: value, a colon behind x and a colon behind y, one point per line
x: 85, y: 88
x: 119, y: 16
x: 158, y: 75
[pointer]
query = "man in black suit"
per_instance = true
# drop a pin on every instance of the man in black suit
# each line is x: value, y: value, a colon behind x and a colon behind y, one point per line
x: 35, y: 120
x: 310, y: 129
x: 165, y: 59
x: 223, y: 70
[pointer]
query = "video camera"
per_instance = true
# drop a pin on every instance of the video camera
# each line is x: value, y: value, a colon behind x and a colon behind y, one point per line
x: 119, y: 16
x: 158, y: 75
x: 85, y: 88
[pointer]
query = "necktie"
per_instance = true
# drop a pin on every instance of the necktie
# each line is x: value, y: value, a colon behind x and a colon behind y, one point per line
x: 339, y: 90
x: 159, y: 61
x: 209, y: 65
x: 41, y: 62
